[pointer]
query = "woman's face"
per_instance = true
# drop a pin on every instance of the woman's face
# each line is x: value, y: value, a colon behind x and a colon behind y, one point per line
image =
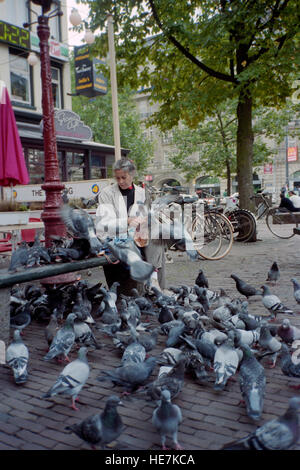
x: 123, y: 178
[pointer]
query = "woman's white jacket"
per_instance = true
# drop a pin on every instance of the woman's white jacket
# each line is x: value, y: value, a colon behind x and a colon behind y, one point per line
x: 111, y: 215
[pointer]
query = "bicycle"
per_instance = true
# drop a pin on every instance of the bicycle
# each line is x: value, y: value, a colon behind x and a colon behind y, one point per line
x: 211, y: 232
x: 280, y: 222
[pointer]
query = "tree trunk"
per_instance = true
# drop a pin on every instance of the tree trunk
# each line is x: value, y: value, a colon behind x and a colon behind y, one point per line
x: 245, y: 150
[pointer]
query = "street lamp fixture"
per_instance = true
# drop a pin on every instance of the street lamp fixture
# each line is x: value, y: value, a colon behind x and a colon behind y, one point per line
x: 52, y: 185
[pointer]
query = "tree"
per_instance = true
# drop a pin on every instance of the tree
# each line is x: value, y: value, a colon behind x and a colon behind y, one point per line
x: 202, y: 52
x: 97, y: 114
x: 213, y: 141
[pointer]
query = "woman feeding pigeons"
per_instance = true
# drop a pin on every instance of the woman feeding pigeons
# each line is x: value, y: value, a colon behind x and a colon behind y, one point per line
x: 119, y: 214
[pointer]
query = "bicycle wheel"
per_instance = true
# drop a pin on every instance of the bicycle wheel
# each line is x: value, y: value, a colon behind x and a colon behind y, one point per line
x: 277, y: 226
x: 244, y: 224
x: 212, y: 235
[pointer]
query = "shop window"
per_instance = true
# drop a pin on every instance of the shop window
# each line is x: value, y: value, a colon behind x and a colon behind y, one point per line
x: 36, y: 166
x: 20, y: 79
x: 98, y: 169
x: 75, y: 166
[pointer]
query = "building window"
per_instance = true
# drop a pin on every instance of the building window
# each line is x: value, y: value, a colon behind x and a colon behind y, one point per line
x: 15, y: 12
x: 20, y: 79
x: 75, y: 166
x: 36, y: 166
x: 56, y: 87
x: 98, y: 169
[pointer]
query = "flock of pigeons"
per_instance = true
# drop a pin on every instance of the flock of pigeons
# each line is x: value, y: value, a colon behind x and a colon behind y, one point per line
x: 202, y: 332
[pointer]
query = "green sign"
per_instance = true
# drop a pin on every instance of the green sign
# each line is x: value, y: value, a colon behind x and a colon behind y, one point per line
x: 12, y: 34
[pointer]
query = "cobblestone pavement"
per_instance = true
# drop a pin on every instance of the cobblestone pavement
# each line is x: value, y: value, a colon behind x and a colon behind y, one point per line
x: 210, y: 418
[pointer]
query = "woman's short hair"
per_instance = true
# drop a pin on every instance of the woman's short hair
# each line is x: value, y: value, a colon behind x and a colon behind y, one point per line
x: 124, y: 164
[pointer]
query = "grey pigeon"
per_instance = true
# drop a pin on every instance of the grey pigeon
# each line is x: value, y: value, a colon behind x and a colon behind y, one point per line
x: 127, y: 252
x: 21, y: 319
x: 166, y: 419
x: 244, y: 288
x: 226, y: 362
x: 201, y: 279
x: 108, y: 311
x: 37, y: 253
x: 296, y: 287
x: 84, y: 335
x: 273, y: 304
x: 252, y: 380
x: 174, y: 335
x: 101, y: 428
x: 288, y: 367
x: 287, y: 332
x: 63, y: 340
x: 223, y: 298
x: 273, y: 273
x: 171, y: 378
x: 149, y: 340
x: 278, y: 434
x: 17, y: 356
x: 19, y: 257
x: 130, y: 375
x: 81, y: 225
x: 72, y: 378
x: 269, y: 343
x: 135, y: 351
x: 202, y: 297
x: 51, y: 329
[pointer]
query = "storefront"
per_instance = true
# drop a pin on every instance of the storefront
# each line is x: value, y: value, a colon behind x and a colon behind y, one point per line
x: 80, y: 159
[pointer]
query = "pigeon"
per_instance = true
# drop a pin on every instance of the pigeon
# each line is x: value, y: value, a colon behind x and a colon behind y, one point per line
x: 101, y: 428
x: 287, y: 332
x: 135, y: 351
x: 273, y: 304
x: 149, y: 340
x: 17, y: 356
x: 72, y: 378
x: 277, y: 434
x: 249, y: 337
x: 169, y: 378
x: 252, y: 380
x: 202, y: 297
x: 165, y: 314
x: 166, y: 419
x: 81, y: 225
x: 296, y: 287
x: 51, y: 329
x: 201, y: 279
x: 88, y: 203
x: 130, y: 375
x: 288, y: 367
x: 226, y: 362
x: 127, y: 252
x: 273, y: 273
x: 174, y: 335
x: 84, y: 335
x: 268, y: 342
x: 19, y: 257
x: 21, y: 319
x: 223, y: 298
x: 37, y: 253
x: 243, y: 288
x: 63, y: 340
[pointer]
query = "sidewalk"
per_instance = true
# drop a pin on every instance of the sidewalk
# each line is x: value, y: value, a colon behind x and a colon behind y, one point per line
x: 210, y: 419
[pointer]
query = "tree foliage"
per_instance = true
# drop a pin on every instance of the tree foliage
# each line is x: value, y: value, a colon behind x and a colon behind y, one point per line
x: 193, y: 55
x: 97, y: 114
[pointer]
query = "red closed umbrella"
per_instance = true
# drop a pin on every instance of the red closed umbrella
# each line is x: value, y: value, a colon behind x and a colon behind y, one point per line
x: 12, y: 162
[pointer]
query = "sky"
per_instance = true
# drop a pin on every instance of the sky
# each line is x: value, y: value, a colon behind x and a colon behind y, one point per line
x: 75, y: 38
